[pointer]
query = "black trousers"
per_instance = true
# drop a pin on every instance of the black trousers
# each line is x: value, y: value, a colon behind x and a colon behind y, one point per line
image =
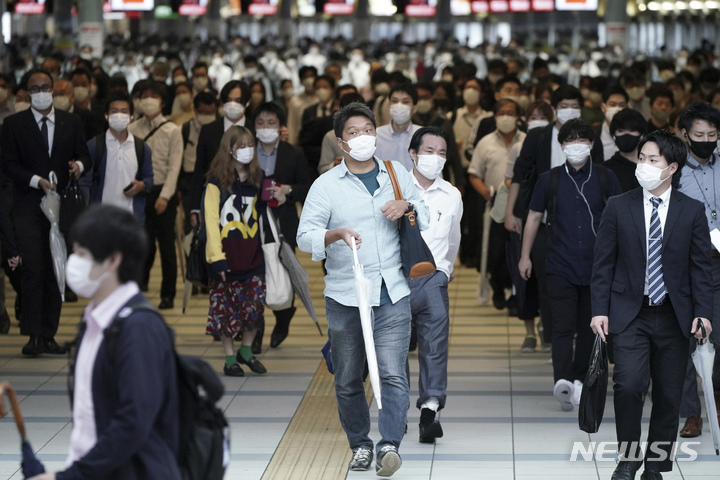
x: 653, y: 348
x: 570, y: 305
x: 40, y: 294
x: 161, y: 229
x: 471, y: 226
x: 497, y: 264
x: 538, y: 255
x: 183, y: 188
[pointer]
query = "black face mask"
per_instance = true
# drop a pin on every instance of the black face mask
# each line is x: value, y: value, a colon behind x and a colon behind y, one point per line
x: 703, y: 150
x: 627, y: 143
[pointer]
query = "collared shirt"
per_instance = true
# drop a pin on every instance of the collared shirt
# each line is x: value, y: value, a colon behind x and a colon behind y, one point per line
x: 443, y: 234
x: 701, y: 183
x: 35, y: 180
x: 267, y: 161
x: 557, y: 157
x: 166, y: 145
x: 97, y: 318
x: 329, y: 152
x: 391, y: 146
x: 120, y: 170
x: 465, y: 128
x: 490, y: 158
x: 324, y: 110
x: 609, y: 147
x: 662, y: 214
x: 572, y: 239
x: 297, y: 106
x: 339, y: 199
x: 240, y: 122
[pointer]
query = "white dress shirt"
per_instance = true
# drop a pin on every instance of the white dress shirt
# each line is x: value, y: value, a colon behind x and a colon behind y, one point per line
x: 662, y: 214
x: 443, y: 233
x: 391, y: 146
x: 490, y: 158
x: 557, y: 157
x: 120, y: 170
x: 97, y: 318
x: 609, y: 147
x: 166, y: 145
x: 297, y: 106
x: 240, y: 122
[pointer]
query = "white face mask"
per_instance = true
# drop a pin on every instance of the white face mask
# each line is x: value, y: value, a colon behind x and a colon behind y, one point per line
x: 267, y: 135
x: 308, y: 83
x: 362, y: 148
x: 506, y: 123
x: 471, y: 96
x: 288, y: 92
x: 204, y: 119
x: 184, y: 100
x: 430, y: 166
x: 81, y: 93
x: 636, y: 94
x: 179, y: 79
x: 62, y: 102
x: 424, y: 106
x: 119, y: 121
x: 244, y: 155
x: 576, y: 153
x: 400, y: 113
x: 199, y: 83
x: 3, y: 94
x: 565, y: 114
x: 150, y: 106
x: 610, y: 113
x: 77, y: 274
x: 41, y: 100
x: 137, y: 107
x: 323, y: 94
x: 233, y: 110
x: 537, y: 124
x: 648, y: 176
x: 21, y: 106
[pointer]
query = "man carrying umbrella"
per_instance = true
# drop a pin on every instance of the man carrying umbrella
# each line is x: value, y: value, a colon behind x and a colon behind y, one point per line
x: 356, y: 200
x: 34, y: 143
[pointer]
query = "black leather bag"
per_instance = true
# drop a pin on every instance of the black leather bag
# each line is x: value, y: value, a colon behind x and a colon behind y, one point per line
x: 594, y: 392
x: 72, y: 204
x: 417, y: 259
x: 196, y: 271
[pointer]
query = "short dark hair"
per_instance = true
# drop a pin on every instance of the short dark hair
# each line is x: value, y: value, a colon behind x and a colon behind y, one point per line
x: 417, y: 138
x: 543, y: 106
x: 82, y: 71
x: 566, y: 92
x: 272, y: 108
x: 628, y: 119
x: 198, y: 65
x: 699, y: 110
x: 631, y: 75
x: 504, y: 101
x: 349, y: 98
x: 671, y: 147
x: 230, y: 86
x: 576, y: 129
x: 119, y: 97
x: 615, y: 90
x: 327, y: 78
x: 405, y: 87
x: 106, y: 229
x: 497, y: 64
x: 205, y: 98
x: 379, y: 76
x: 506, y: 79
x: 346, y: 86
x: 26, y: 78
x: 661, y: 91
x: 307, y: 68
x: 155, y: 87
x: 355, y: 109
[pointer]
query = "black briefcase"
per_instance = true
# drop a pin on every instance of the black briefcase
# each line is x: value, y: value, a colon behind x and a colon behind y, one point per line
x: 594, y: 392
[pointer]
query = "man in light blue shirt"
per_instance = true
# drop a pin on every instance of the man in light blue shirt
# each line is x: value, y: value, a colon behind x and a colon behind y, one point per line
x: 356, y: 200
x: 393, y: 139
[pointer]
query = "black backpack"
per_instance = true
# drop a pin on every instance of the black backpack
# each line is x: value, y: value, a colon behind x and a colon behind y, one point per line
x: 204, y: 431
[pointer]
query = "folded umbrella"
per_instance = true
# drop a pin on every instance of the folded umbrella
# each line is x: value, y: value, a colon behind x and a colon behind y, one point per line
x: 50, y: 205
x: 703, y: 358
x: 483, y: 291
x: 363, y: 289
x: 299, y: 278
x: 525, y: 290
x: 31, y: 466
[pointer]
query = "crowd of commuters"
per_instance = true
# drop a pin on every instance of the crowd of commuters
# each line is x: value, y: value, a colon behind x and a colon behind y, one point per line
x: 567, y: 151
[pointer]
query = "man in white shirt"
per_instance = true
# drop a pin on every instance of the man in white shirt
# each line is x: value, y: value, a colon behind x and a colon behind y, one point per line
x: 429, y: 295
x: 165, y: 141
x: 393, y: 139
x: 299, y: 103
x: 614, y: 100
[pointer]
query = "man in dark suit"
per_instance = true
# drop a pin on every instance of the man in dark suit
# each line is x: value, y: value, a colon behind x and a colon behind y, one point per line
x: 286, y: 166
x: 651, y: 289
x: 34, y: 143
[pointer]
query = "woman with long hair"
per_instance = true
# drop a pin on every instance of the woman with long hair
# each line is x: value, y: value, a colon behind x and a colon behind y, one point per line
x: 234, y: 216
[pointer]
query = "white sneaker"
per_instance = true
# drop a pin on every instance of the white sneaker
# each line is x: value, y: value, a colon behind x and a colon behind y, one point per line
x: 563, y: 393
x: 577, y: 385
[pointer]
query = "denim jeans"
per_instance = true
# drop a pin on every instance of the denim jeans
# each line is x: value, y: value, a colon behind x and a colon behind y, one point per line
x: 392, y: 338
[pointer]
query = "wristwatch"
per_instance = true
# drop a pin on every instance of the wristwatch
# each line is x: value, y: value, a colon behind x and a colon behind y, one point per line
x: 289, y: 189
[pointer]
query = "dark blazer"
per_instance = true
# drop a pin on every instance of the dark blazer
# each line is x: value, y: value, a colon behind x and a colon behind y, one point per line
x: 291, y: 169
x: 91, y: 125
x: 537, y: 150
x: 136, y: 406
x: 207, y: 146
x: 24, y: 154
x: 620, y: 260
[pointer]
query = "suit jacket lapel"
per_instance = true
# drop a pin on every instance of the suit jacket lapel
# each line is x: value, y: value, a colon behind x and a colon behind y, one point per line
x: 672, y: 217
x: 34, y: 128
x: 637, y: 211
x: 59, y: 130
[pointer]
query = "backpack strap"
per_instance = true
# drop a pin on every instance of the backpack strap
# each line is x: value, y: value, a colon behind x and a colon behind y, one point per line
x: 99, y: 154
x: 112, y: 333
x: 152, y: 132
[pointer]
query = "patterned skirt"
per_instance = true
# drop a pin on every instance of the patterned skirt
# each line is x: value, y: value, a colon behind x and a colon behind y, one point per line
x: 236, y: 306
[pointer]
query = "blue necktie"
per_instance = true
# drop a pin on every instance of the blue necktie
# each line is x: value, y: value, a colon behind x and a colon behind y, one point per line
x: 656, y: 285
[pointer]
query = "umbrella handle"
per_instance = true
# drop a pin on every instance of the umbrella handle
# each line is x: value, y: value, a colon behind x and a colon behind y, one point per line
x: 5, y: 387
x: 354, y: 249
x: 701, y: 324
x: 52, y: 178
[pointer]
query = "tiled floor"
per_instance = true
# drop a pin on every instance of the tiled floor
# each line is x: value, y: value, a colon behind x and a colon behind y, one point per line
x: 500, y: 422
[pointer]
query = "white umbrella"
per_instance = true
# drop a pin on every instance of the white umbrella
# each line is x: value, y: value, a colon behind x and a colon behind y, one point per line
x: 483, y: 290
x: 50, y: 205
x: 363, y: 289
x: 703, y: 358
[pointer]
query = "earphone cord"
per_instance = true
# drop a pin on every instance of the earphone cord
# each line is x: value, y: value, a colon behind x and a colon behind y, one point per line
x: 580, y: 191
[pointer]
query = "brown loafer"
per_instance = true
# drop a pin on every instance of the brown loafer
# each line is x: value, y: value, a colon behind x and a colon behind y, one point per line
x: 692, y: 428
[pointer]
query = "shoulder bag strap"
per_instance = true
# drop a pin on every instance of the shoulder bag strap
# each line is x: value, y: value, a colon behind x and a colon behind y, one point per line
x: 152, y: 132
x: 393, y: 180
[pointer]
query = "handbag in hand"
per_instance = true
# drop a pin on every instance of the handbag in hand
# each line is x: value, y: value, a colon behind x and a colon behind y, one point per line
x: 279, y: 291
x: 417, y: 259
x: 594, y: 390
x: 72, y: 204
x: 196, y: 271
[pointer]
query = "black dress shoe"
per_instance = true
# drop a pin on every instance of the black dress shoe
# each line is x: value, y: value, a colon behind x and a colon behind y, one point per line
x: 253, y: 363
x: 34, y: 347
x: 18, y: 307
x: 430, y: 428
x: 52, y: 347
x: 650, y: 475
x: 4, y: 322
x: 234, y: 371
x: 277, y: 337
x: 70, y: 296
x: 166, y: 303
x: 626, y: 470
x: 257, y: 342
